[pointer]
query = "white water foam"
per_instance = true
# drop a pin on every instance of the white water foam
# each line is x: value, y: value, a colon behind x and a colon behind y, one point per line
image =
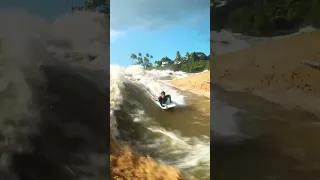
x: 187, y: 153
x: 22, y: 50
x: 223, y: 122
x: 116, y: 86
x: 191, y: 151
x: 26, y: 42
x: 150, y: 81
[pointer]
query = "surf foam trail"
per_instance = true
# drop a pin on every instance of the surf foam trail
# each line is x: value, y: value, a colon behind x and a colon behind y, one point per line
x: 139, y: 121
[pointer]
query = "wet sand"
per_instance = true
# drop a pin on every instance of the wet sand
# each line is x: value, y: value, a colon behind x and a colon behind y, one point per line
x: 274, y: 71
x: 278, y: 99
x: 196, y: 84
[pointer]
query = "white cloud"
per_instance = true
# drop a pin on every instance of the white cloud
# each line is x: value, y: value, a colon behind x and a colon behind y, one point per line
x: 155, y: 14
x: 114, y: 35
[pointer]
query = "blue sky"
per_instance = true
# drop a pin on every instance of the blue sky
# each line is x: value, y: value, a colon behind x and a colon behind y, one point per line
x: 184, y: 27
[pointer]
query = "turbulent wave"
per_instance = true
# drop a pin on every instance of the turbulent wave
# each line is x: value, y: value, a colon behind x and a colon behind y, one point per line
x: 151, y: 81
x: 138, y: 120
x: 54, y: 105
x: 53, y: 101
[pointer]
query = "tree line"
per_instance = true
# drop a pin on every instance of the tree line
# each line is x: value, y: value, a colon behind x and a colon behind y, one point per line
x: 102, y: 6
x: 142, y: 60
x: 265, y: 17
x: 190, y: 62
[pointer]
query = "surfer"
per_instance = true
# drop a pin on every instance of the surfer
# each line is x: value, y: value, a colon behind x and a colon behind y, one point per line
x: 163, y: 98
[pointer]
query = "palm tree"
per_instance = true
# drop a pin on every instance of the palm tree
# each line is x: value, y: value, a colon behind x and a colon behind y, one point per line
x: 187, y: 56
x: 96, y: 4
x: 151, y: 57
x: 140, y: 59
x: 145, y: 61
x: 133, y: 57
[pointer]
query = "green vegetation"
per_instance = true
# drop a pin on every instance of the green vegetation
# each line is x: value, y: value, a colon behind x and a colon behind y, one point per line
x: 142, y: 60
x: 265, y: 17
x: 97, y: 5
x: 191, y: 62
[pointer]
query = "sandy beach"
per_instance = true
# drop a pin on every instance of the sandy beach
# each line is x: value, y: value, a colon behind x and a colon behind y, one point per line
x: 274, y: 71
x: 197, y: 84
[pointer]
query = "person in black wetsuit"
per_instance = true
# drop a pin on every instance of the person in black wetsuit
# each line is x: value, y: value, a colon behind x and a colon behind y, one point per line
x: 163, y: 98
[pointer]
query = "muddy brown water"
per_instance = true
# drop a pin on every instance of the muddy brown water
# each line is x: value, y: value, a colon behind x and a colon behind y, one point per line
x: 283, y: 143
x: 157, y: 132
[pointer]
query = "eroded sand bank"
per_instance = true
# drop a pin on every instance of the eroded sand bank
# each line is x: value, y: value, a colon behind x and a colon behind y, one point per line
x: 197, y: 84
x: 274, y: 71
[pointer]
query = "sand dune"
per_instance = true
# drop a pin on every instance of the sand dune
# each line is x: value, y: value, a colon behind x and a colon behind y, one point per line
x: 273, y: 70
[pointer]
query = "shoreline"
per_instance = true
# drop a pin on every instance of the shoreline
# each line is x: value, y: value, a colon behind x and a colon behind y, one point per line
x: 300, y: 100
x: 198, y: 93
x: 198, y: 84
x: 274, y: 71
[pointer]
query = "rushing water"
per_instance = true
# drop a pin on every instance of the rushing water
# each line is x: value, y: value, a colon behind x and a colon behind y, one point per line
x: 257, y: 139
x: 54, y: 104
x: 177, y: 137
x: 53, y: 100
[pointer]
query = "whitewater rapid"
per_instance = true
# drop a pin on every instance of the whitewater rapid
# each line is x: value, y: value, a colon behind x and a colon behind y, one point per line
x: 167, y: 145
